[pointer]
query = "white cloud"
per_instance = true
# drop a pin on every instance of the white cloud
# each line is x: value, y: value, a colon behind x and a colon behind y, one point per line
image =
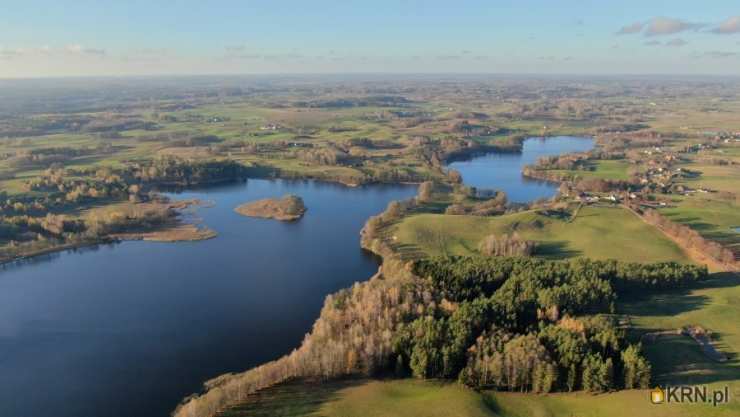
x: 633, y: 28
x: 661, y: 26
x: 668, y: 26
x: 731, y: 25
x: 81, y: 50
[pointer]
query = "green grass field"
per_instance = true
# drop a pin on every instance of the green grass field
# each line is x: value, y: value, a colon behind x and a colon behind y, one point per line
x: 632, y: 403
x: 364, y: 398
x: 597, y: 232
x: 413, y: 398
x: 605, y: 169
x: 716, y: 177
x: 406, y: 398
x: 715, y: 306
x: 713, y: 218
x: 715, y: 214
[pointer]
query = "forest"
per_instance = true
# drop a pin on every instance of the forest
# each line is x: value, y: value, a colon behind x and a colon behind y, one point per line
x: 514, y: 324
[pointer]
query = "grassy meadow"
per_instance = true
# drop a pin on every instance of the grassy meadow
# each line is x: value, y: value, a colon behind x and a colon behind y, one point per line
x: 598, y: 232
x: 618, y: 169
x: 714, y: 218
x: 364, y: 398
x: 714, y: 214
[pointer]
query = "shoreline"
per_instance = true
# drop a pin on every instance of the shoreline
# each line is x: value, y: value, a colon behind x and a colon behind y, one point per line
x: 173, y: 231
x: 276, y: 174
x: 51, y: 250
x: 184, y: 232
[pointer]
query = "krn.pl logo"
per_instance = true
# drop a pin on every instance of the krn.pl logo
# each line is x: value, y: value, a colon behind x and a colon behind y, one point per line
x: 657, y: 396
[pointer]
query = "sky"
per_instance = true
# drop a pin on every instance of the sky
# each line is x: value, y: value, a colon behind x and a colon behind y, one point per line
x: 53, y: 38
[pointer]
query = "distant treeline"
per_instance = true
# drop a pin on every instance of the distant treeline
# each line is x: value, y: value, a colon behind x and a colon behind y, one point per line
x: 46, y: 157
x: 600, y: 185
x: 37, y: 220
x: 60, y: 187
x: 516, y: 324
x: 180, y: 172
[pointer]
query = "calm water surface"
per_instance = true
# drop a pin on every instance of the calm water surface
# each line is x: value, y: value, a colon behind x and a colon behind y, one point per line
x: 127, y: 330
x: 503, y: 170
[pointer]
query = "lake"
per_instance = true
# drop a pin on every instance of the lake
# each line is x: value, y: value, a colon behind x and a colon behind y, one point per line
x: 503, y: 170
x: 130, y: 329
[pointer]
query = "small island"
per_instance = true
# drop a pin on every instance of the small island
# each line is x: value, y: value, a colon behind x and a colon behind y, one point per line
x: 288, y: 208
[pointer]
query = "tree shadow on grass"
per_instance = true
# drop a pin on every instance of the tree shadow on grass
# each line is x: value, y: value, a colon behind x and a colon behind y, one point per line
x: 674, y: 302
x: 678, y: 359
x: 723, y: 236
x: 556, y: 250
x: 692, y: 222
x: 291, y: 399
x: 664, y: 304
x: 701, y: 227
x: 720, y: 280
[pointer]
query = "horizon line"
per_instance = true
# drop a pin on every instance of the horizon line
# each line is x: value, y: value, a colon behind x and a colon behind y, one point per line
x: 388, y: 74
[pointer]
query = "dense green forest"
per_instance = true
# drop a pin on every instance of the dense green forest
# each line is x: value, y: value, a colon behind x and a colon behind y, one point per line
x: 532, y: 325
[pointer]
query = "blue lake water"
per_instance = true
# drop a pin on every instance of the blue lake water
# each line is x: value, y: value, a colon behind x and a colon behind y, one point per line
x: 502, y: 171
x: 128, y: 330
